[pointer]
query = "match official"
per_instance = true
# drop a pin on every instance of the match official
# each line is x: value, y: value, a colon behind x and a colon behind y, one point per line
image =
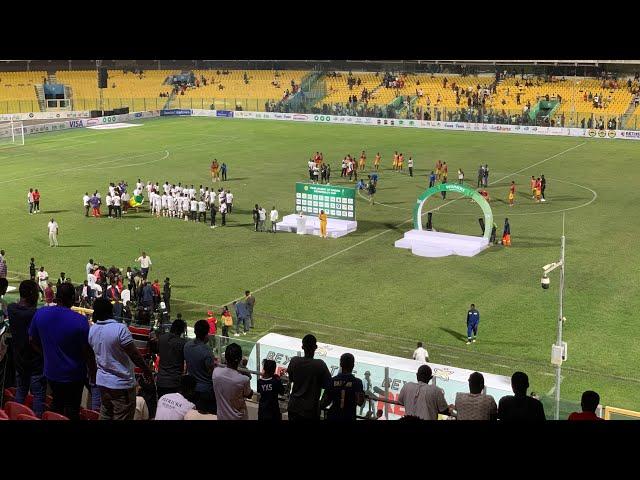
x: 473, y: 319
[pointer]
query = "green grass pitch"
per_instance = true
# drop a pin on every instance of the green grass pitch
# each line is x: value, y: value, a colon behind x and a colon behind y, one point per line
x: 359, y: 290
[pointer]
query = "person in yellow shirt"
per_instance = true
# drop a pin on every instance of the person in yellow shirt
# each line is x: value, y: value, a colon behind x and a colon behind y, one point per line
x: 363, y: 160
x: 323, y: 224
x: 395, y: 161
x: 376, y: 162
x: 401, y: 161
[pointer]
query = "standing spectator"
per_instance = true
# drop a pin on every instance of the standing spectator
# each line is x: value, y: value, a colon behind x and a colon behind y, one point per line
x: 175, y: 406
x: 242, y: 318
x: 62, y: 336
x: 115, y: 354
x: 53, y: 233
x: 212, y: 322
x: 145, y: 264
x: 475, y: 405
x: 367, y: 386
x: 273, y: 216
x: 589, y: 402
x: 422, y: 400
x: 223, y: 213
x: 262, y: 217
x: 85, y: 203
x: 250, y: 300
x: 3, y: 265
x: 420, y: 354
x: 171, y: 351
x: 49, y: 295
x: 460, y: 177
x: 269, y: 387
x: 308, y: 376
x: 480, y: 176
x: 30, y: 201
x: 213, y: 211
x: 410, y: 165
x: 256, y: 216
x: 166, y: 294
x: 155, y: 286
x: 227, y: 322
x: 32, y: 268
x: 473, y: 320
x: 231, y: 387
x: 344, y: 392
x: 519, y: 406
x: 43, y: 280
x: 28, y: 361
x: 200, y: 363
x: 146, y: 295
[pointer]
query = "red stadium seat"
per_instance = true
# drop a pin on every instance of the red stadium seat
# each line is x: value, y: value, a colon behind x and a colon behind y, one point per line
x: 89, y: 414
x: 3, y: 415
x: 14, y: 409
x: 24, y: 416
x: 53, y: 416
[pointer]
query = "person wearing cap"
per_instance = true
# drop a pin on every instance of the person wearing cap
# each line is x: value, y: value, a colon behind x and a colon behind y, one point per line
x: 308, y: 377
x: 367, y: 386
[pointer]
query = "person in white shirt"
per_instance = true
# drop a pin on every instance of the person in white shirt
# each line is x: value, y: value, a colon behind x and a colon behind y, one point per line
x: 116, y: 206
x: 53, y: 233
x: 165, y: 204
x: 125, y: 201
x: 30, y: 200
x: 223, y: 213
x: 229, y: 200
x: 112, y: 189
x: 43, y: 278
x: 174, y: 406
x: 310, y: 165
x: 420, y: 354
x: 202, y: 211
x: 410, y: 165
x: 222, y: 197
x: 194, y: 210
x: 166, y: 187
x: 157, y: 202
x: 145, y: 264
x: 109, y: 202
x: 85, y: 203
x: 139, y: 184
x: 171, y: 203
x: 262, y: 216
x: 185, y: 206
x: 273, y: 216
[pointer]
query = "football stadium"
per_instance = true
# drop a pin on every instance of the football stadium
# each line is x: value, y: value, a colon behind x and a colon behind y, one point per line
x: 319, y: 239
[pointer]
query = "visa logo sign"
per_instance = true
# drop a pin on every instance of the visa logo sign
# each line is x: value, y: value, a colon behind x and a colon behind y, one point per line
x: 76, y: 124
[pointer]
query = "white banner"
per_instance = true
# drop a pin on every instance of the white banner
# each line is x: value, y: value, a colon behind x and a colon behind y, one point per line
x: 87, y: 122
x: 43, y: 115
x: 452, y: 380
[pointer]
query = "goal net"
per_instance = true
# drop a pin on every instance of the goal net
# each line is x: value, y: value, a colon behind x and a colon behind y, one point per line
x: 11, y: 133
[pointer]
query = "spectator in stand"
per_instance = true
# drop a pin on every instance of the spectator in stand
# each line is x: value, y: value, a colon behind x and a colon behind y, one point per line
x: 420, y: 354
x: 344, y: 392
x: 231, y: 387
x: 269, y: 387
x: 520, y: 406
x: 116, y: 355
x: 475, y: 405
x: 146, y: 295
x: 49, y: 299
x: 308, y: 376
x: 175, y: 406
x: 3, y: 265
x: 171, y: 351
x: 590, y: 401
x: 200, y: 364
x: 422, y: 400
x: 62, y: 336
x: 28, y: 362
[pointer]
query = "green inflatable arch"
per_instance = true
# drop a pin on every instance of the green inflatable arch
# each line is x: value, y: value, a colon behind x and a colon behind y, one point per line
x: 462, y: 189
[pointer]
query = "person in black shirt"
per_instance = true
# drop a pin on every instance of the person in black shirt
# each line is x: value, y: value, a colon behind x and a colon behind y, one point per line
x: 29, y: 363
x: 543, y: 186
x: 171, y: 351
x: 519, y: 407
x: 32, y: 269
x: 269, y: 387
x: 166, y: 294
x: 344, y: 392
x: 256, y: 216
x: 307, y: 376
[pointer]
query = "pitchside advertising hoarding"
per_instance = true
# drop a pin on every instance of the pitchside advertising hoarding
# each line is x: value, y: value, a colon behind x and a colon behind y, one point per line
x: 337, y: 202
x: 452, y: 380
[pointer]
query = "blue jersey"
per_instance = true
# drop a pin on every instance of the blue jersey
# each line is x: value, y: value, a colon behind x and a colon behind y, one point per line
x: 473, y: 316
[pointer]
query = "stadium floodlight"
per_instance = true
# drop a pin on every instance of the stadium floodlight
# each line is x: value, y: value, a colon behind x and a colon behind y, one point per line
x: 11, y: 133
x: 558, y: 349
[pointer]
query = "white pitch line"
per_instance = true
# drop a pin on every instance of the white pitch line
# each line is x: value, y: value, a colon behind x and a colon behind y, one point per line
x: 322, y: 260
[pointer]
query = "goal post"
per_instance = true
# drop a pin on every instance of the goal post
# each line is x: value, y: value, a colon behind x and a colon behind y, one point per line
x: 11, y: 133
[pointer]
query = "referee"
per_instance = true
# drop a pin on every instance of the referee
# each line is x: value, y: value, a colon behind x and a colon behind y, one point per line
x: 473, y: 319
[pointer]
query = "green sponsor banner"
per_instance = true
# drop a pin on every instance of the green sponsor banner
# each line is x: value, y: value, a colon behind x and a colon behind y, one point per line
x: 336, y: 201
x: 457, y: 188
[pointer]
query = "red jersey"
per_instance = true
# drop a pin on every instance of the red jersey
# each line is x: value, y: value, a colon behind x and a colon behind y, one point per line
x: 212, y: 325
x: 36, y: 196
x: 445, y: 168
x: 512, y: 189
x: 538, y: 184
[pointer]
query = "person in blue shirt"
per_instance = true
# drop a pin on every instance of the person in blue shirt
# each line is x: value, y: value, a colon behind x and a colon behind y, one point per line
x: 223, y: 170
x: 432, y: 179
x: 242, y: 318
x: 473, y: 319
x: 62, y: 336
x: 344, y: 392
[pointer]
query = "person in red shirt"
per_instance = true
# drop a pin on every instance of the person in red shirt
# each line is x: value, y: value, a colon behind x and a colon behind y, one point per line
x: 48, y: 294
x: 36, y: 201
x: 211, y: 320
x: 155, y: 286
x: 590, y: 401
x: 512, y: 193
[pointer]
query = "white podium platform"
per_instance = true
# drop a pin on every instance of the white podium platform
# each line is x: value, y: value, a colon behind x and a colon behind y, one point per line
x: 426, y: 243
x: 335, y: 227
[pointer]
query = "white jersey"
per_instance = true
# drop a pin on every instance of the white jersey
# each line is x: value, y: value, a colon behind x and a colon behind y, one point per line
x: 194, y: 206
x: 165, y: 201
x: 85, y: 200
x: 116, y: 201
x: 223, y: 208
x: 202, y: 207
x: 109, y: 201
x: 192, y: 192
x: 171, y: 203
x: 185, y: 204
x: 273, y: 215
x: 140, y: 185
x: 229, y: 197
x: 207, y: 193
x: 155, y: 198
x: 222, y: 197
x: 166, y: 188
x: 112, y: 190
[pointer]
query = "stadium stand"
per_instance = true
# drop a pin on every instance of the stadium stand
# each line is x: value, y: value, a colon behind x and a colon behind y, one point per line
x: 125, y: 89
x: 17, y: 91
